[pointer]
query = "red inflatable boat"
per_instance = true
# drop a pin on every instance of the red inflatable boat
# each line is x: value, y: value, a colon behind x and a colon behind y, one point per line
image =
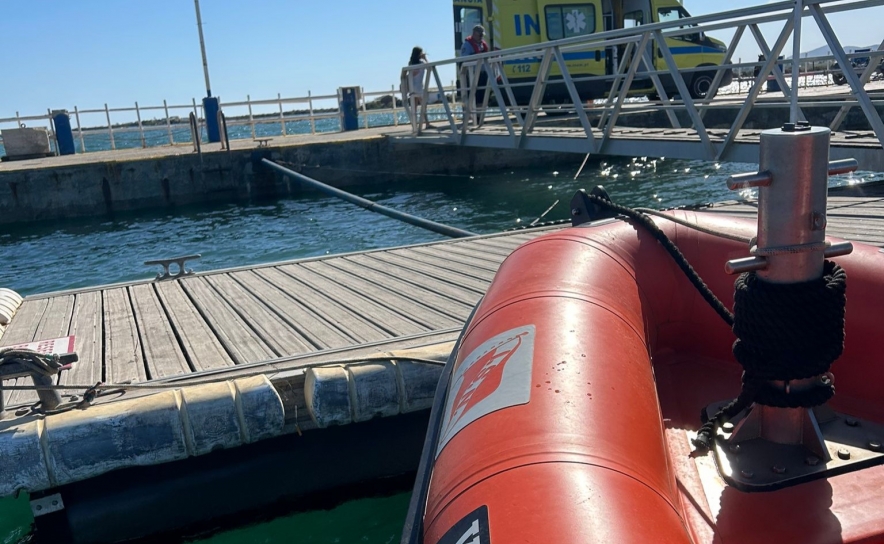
x: 578, y: 385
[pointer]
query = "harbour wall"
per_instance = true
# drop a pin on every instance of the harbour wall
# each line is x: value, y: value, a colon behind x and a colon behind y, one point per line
x: 105, y: 187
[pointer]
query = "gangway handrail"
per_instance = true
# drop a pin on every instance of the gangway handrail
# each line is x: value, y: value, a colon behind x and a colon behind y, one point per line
x: 635, y: 63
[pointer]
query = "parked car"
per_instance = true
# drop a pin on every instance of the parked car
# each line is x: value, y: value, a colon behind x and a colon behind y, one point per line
x: 859, y: 65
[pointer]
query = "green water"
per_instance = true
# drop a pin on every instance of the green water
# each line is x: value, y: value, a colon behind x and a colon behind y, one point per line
x: 52, y: 256
x: 377, y: 521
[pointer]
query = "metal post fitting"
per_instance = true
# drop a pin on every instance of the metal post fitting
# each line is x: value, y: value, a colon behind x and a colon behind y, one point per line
x: 792, y: 182
x: 768, y: 446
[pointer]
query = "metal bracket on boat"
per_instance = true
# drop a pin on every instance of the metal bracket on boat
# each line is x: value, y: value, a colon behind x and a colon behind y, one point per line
x: 166, y: 263
x: 764, y: 447
x: 752, y: 453
x: 47, y: 505
x: 768, y: 207
x: 583, y: 210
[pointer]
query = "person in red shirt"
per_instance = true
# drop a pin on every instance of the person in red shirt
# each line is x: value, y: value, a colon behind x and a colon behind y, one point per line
x: 475, y: 44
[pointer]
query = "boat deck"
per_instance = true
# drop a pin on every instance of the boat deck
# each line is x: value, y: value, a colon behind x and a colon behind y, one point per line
x: 306, y: 311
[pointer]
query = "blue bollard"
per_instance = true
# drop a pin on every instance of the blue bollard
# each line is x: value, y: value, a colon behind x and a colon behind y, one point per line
x: 64, y: 135
x: 349, y: 108
x: 210, y: 110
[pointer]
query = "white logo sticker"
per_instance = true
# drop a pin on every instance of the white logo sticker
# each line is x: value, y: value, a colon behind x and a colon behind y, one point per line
x: 575, y: 21
x: 494, y: 376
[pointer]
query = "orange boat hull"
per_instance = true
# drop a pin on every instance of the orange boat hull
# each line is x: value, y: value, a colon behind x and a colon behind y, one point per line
x: 578, y: 377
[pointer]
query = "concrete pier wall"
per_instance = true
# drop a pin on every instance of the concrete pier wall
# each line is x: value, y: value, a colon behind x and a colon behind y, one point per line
x: 108, y: 186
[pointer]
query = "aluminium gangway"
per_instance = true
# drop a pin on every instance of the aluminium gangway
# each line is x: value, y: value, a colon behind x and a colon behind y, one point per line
x: 688, y: 132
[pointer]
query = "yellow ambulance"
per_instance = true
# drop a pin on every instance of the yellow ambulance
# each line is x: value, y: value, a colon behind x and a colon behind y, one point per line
x: 515, y: 23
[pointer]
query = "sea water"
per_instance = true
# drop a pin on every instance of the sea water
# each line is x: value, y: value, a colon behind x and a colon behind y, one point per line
x: 50, y: 256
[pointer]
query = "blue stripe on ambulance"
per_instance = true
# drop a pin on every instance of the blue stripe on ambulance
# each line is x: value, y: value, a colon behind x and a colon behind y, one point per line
x: 581, y: 55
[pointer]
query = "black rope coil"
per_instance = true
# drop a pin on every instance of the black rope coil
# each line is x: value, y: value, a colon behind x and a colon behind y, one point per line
x: 785, y: 332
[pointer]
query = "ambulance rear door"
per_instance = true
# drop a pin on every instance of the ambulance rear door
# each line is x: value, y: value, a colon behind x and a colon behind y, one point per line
x: 561, y: 19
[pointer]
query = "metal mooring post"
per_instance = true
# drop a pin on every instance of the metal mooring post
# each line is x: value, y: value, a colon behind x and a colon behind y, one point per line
x: 765, y: 446
x: 792, y: 183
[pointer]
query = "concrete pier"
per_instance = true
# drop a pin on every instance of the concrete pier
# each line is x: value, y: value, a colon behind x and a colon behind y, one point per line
x: 114, y: 181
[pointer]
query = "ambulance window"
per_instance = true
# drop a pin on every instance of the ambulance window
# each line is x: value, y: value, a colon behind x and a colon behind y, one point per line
x: 633, y: 19
x: 665, y: 15
x: 469, y: 17
x: 464, y: 21
x: 569, y: 21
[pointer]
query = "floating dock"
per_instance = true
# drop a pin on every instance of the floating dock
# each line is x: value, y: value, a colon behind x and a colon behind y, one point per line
x: 275, y: 383
x: 380, y: 323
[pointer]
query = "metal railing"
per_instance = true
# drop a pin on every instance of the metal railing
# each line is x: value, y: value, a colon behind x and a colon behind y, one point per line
x: 309, y: 114
x: 634, y: 72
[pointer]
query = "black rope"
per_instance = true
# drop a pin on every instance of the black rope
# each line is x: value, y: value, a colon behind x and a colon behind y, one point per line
x: 673, y: 251
x: 47, y: 364
x: 785, y: 332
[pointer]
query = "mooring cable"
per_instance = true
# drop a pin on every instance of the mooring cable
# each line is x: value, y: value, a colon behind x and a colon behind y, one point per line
x: 372, y: 206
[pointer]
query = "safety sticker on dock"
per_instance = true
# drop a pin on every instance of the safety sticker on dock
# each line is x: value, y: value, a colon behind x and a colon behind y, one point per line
x: 58, y: 346
x: 495, y: 375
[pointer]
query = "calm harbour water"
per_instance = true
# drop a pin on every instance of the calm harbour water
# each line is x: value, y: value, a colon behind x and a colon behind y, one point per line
x: 45, y: 257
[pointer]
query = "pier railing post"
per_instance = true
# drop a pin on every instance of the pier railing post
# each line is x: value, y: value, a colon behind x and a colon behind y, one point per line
x: 110, y: 128
x: 281, y: 115
x: 794, y: 112
x: 53, y: 135
x: 310, y: 109
x: 251, y: 118
x: 196, y: 120
x: 140, y: 127
x: 395, y: 113
x: 79, y: 130
x: 168, y: 123
x: 364, y: 110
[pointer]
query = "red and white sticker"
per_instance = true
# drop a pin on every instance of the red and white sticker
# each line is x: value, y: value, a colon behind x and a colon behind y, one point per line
x: 496, y: 375
x: 58, y: 346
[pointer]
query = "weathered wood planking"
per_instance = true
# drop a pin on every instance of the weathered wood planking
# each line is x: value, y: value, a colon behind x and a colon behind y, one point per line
x: 86, y: 326
x: 434, y: 273
x: 314, y: 308
x: 392, y: 322
x: 360, y: 329
x: 446, y: 301
x: 403, y: 303
x: 258, y: 307
x: 203, y: 348
x: 55, y: 323
x: 237, y: 337
x: 466, y: 262
x: 23, y: 328
x: 124, y: 358
x: 162, y: 353
x: 451, y: 291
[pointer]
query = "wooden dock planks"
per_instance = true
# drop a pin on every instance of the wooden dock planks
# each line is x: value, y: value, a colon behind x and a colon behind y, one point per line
x: 124, y: 358
x: 199, y: 343
x: 237, y: 337
x: 23, y: 328
x: 86, y: 326
x: 335, y: 313
x: 162, y: 354
x: 217, y: 321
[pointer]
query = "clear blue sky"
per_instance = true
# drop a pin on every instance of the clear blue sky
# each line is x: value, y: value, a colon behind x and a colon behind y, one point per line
x: 59, y: 53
